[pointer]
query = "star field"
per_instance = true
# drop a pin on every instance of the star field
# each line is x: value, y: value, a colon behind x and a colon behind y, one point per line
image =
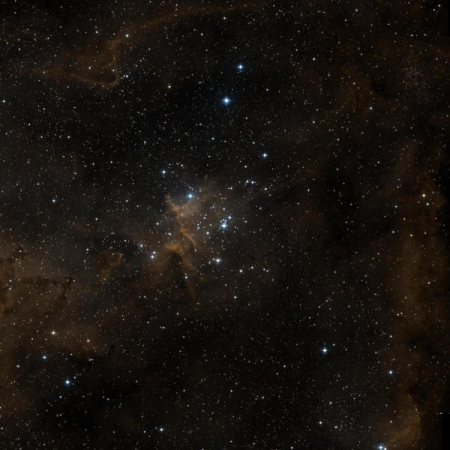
x: 224, y: 225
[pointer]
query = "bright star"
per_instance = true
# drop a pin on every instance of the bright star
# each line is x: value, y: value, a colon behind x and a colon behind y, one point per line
x: 240, y: 67
x: 324, y: 350
x: 226, y: 101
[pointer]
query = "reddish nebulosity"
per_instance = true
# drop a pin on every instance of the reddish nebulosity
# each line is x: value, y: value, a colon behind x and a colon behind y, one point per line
x: 182, y: 272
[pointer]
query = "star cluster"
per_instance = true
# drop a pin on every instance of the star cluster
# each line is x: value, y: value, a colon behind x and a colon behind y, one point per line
x: 223, y: 225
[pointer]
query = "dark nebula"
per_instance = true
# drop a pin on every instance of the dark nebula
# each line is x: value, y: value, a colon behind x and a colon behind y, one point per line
x: 224, y: 224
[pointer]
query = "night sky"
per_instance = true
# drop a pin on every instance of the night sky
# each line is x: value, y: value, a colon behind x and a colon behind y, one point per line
x: 224, y: 225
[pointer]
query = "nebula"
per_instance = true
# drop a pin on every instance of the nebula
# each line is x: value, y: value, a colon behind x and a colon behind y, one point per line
x: 178, y: 271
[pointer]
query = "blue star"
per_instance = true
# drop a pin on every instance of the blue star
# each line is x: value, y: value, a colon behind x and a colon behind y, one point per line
x: 240, y: 67
x: 226, y: 100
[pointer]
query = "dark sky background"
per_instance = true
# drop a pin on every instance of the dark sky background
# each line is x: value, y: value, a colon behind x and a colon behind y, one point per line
x: 223, y: 224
